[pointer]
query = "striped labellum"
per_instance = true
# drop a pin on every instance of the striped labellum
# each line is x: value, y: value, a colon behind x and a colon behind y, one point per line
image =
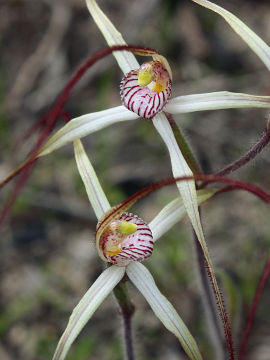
x: 126, y: 238
x: 147, y: 90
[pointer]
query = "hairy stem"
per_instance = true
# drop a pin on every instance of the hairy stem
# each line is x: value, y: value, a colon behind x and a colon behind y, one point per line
x: 126, y: 310
x: 246, y: 158
x: 250, y: 155
x: 209, y: 303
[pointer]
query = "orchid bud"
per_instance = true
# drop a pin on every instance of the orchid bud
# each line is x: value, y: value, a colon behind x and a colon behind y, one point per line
x: 147, y: 90
x: 127, y: 238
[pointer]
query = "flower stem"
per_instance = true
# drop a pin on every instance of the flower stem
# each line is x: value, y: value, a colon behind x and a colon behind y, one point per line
x: 250, y: 320
x: 208, y: 292
x: 209, y: 303
x: 126, y: 310
x: 255, y: 150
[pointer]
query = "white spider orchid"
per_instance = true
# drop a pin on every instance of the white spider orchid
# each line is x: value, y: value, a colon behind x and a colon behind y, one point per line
x: 147, y: 84
x: 159, y: 88
x: 89, y: 123
x: 92, y: 122
x: 123, y: 240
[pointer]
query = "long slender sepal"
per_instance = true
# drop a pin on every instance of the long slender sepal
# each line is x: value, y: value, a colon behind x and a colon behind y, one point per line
x: 183, y: 146
x: 253, y: 40
x: 173, y: 212
x: 126, y: 60
x: 188, y: 192
x: 162, y: 308
x: 93, y: 188
x: 215, y: 101
x: 86, y: 308
x: 84, y: 125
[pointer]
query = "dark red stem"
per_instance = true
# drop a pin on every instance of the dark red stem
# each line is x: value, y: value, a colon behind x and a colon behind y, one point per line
x: 254, y: 306
x: 250, y: 155
x: 56, y: 110
x: 233, y: 184
x: 50, y: 119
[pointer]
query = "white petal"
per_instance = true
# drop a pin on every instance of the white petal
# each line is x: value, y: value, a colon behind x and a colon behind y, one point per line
x: 93, y: 188
x: 215, y: 101
x: 253, y: 40
x: 85, y: 125
x: 126, y: 60
x: 188, y: 192
x: 162, y: 308
x: 86, y: 308
x: 180, y: 168
x: 174, y: 212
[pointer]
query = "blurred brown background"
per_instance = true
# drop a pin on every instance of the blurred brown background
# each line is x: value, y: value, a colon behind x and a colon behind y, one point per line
x: 48, y: 259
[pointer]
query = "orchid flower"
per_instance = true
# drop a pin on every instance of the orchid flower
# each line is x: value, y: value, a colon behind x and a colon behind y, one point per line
x: 145, y: 84
x: 123, y: 239
x: 146, y: 92
x: 138, y: 82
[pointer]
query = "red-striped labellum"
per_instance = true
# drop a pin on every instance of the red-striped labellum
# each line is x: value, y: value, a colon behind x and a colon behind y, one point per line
x: 126, y: 238
x: 147, y: 90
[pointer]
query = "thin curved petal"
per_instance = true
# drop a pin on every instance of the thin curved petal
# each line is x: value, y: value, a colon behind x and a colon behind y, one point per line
x: 93, y: 188
x: 188, y: 192
x: 85, y: 125
x: 254, y: 41
x: 126, y: 60
x: 180, y: 168
x: 174, y: 212
x: 86, y: 308
x: 162, y: 308
x: 215, y: 101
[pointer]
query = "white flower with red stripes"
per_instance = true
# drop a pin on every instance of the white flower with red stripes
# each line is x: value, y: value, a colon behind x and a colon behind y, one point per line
x: 127, y: 238
x: 124, y: 240
x: 147, y: 90
x: 149, y: 99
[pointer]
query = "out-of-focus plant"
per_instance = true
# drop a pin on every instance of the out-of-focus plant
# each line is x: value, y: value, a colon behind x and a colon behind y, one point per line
x: 146, y: 92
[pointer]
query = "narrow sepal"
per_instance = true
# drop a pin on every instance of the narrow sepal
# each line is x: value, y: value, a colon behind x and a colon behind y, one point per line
x: 253, y: 40
x: 85, y: 125
x: 173, y: 212
x: 86, y: 308
x: 126, y: 60
x: 95, y: 193
x: 215, y: 101
x: 162, y: 308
